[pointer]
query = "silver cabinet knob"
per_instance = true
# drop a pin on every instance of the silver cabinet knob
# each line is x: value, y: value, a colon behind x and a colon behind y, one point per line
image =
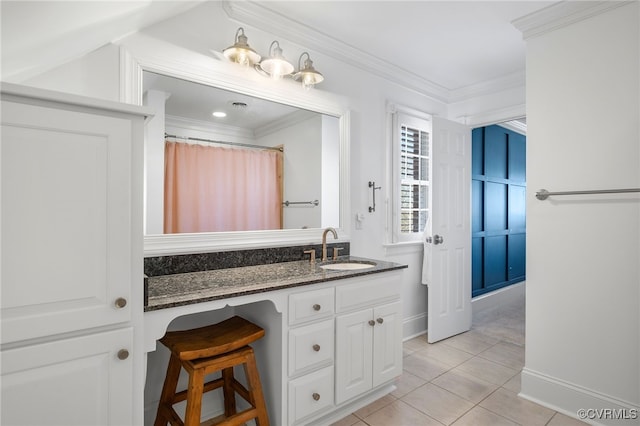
x: 380, y: 320
x: 372, y: 323
x: 123, y: 354
x: 316, y: 307
x: 121, y: 302
x: 316, y: 396
x: 316, y: 347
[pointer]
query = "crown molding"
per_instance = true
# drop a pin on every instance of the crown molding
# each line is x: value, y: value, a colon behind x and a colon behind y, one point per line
x: 516, y: 79
x: 221, y: 131
x: 515, y: 125
x: 561, y: 14
x: 259, y: 16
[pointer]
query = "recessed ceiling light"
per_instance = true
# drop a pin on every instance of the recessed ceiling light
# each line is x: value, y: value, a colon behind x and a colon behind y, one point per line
x: 219, y: 114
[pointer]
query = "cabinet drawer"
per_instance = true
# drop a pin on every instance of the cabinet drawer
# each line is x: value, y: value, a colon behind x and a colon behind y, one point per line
x: 311, y: 305
x: 368, y: 291
x: 310, y: 346
x: 310, y: 394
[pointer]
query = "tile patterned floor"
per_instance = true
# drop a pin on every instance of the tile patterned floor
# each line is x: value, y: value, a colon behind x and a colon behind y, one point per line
x: 471, y: 379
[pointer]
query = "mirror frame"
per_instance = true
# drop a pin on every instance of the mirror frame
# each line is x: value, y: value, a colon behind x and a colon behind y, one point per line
x: 229, y: 77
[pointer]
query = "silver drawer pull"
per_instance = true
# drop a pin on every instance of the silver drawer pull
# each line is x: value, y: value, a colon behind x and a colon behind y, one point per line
x: 380, y: 320
x: 372, y: 323
x: 316, y: 396
x: 316, y: 307
x: 123, y: 354
x: 316, y: 347
x: 121, y: 302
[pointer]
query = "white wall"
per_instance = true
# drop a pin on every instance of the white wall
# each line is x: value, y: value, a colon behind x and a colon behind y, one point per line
x: 583, y: 252
x: 207, y: 27
x: 302, y: 151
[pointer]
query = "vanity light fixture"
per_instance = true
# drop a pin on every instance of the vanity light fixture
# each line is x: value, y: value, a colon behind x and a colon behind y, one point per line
x: 275, y: 65
x: 241, y: 52
x: 307, y: 74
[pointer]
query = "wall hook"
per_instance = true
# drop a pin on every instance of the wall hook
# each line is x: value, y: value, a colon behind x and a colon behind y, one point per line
x: 373, y: 187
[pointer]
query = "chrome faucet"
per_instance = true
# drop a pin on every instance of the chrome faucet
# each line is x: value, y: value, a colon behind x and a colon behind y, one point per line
x: 324, y: 241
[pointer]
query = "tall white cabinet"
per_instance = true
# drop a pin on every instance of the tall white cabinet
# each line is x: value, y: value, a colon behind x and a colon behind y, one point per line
x: 71, y: 259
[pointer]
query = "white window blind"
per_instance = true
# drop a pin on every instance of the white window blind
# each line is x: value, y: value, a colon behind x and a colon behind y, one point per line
x: 412, y: 145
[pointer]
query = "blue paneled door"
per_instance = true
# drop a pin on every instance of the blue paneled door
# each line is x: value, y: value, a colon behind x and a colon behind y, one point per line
x: 498, y: 208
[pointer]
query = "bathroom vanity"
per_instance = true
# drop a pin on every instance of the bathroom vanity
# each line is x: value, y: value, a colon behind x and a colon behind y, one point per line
x: 333, y: 338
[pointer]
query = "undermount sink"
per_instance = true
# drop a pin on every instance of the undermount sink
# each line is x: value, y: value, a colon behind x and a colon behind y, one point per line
x: 348, y: 266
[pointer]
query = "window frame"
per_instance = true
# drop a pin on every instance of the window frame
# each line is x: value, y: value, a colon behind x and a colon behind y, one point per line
x: 420, y: 121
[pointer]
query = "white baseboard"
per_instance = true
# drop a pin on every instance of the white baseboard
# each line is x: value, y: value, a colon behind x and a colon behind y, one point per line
x: 569, y: 399
x: 414, y: 326
x: 497, y: 298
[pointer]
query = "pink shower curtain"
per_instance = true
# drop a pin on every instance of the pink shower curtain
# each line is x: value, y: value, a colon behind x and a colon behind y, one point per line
x: 213, y: 189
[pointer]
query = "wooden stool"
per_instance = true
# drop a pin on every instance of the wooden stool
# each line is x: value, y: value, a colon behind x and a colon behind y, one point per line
x: 202, y: 351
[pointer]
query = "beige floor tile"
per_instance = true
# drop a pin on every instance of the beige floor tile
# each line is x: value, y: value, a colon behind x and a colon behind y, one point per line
x: 560, y: 419
x: 406, y: 383
x: 438, y: 403
x: 350, y: 420
x: 471, y: 341
x: 445, y: 354
x: 514, y: 384
x: 505, y: 353
x: 424, y: 367
x: 374, y: 406
x: 417, y: 343
x: 487, y: 370
x: 400, y: 414
x: 464, y: 385
x: 519, y: 410
x: 479, y: 416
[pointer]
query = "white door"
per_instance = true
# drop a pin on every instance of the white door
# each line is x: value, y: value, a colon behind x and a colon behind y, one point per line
x: 354, y: 357
x: 66, y: 220
x: 80, y: 381
x: 449, y: 254
x: 387, y: 343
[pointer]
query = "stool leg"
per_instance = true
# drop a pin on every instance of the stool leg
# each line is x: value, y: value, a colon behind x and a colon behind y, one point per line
x: 255, y: 390
x: 168, y: 390
x: 228, y: 392
x: 194, y: 398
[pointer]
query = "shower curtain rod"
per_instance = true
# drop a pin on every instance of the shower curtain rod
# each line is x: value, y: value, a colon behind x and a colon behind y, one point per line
x: 166, y: 135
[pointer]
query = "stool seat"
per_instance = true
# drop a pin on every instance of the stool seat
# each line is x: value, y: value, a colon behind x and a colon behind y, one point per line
x: 205, y: 350
x: 212, y: 340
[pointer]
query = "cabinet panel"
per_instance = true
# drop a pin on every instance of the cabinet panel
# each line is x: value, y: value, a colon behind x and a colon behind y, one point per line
x: 354, y: 357
x: 78, y: 381
x: 366, y: 292
x: 310, y: 394
x: 66, y: 184
x: 311, y: 305
x: 310, y: 346
x: 387, y: 343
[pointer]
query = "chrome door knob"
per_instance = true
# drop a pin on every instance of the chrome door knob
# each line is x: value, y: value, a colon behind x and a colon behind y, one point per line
x: 437, y: 239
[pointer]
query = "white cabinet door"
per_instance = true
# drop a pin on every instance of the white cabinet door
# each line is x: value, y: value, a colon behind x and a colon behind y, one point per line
x: 77, y: 381
x: 387, y: 343
x: 354, y: 335
x: 66, y: 220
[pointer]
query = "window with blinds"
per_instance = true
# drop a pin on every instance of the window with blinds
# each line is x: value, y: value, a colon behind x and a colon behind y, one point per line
x: 414, y: 178
x: 411, y: 168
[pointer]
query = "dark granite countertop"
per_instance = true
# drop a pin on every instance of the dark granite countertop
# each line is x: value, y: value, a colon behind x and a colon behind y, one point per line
x: 168, y: 291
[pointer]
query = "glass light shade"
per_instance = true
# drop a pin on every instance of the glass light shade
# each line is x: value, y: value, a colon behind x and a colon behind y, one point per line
x: 276, y: 65
x: 308, y: 75
x: 241, y: 53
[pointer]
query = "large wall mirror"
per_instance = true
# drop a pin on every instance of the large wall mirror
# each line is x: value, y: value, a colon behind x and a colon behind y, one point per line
x: 308, y: 131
